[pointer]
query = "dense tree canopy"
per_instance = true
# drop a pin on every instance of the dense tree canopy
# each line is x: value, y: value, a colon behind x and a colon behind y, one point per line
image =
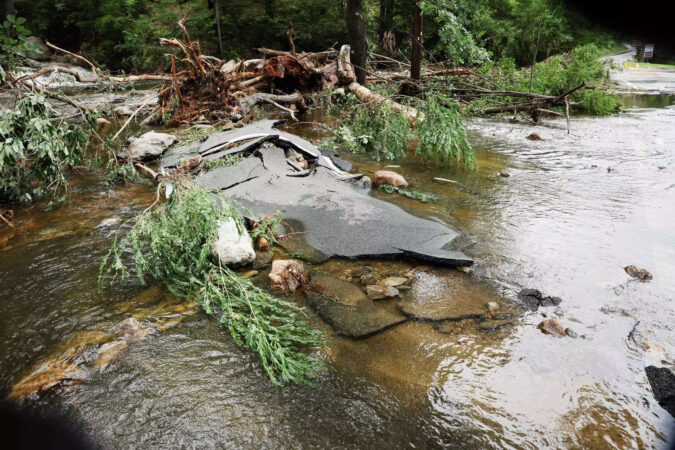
x: 124, y: 34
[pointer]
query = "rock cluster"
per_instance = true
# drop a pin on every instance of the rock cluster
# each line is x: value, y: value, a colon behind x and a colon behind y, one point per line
x: 532, y: 299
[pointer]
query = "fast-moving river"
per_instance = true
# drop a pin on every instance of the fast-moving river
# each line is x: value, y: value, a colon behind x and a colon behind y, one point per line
x: 574, y: 211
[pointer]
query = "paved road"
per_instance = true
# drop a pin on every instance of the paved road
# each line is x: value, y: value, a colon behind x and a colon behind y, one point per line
x: 651, y: 80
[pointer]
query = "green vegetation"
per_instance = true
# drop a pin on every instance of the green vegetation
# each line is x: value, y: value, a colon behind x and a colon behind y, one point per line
x: 386, y: 134
x: 267, y: 228
x: 227, y: 161
x: 13, y: 43
x: 34, y: 150
x: 172, y: 243
x: 415, y: 195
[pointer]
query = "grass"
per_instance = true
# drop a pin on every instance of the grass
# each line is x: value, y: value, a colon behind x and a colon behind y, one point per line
x: 172, y: 243
x: 643, y: 65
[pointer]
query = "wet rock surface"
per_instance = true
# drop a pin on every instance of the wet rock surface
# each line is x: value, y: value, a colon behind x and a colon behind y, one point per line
x: 149, y: 146
x: 436, y: 298
x: 389, y: 177
x: 378, y: 292
x: 638, y: 272
x: 333, y: 210
x: 532, y: 299
x: 662, y: 381
x: 552, y: 327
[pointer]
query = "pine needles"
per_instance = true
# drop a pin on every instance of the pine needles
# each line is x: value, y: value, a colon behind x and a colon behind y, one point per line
x: 172, y: 243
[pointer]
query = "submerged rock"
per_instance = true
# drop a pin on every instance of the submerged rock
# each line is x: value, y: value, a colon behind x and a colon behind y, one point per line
x: 394, y: 281
x: 348, y: 310
x: 436, y: 298
x: 638, y: 272
x: 378, y: 292
x: 132, y: 330
x: 552, y: 327
x: 288, y: 275
x: 233, y: 247
x: 149, y: 146
x: 42, y: 378
x: 109, y: 353
x: 662, y: 382
x: 390, y: 178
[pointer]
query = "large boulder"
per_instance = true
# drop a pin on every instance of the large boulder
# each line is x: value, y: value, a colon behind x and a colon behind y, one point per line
x: 232, y: 247
x: 662, y: 382
x: 389, y: 177
x: 38, y: 50
x: 149, y: 146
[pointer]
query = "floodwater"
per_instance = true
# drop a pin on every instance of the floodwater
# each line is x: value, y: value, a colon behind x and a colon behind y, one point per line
x: 574, y: 211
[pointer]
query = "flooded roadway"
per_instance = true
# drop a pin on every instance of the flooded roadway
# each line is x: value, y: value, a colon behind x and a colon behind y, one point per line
x: 574, y: 211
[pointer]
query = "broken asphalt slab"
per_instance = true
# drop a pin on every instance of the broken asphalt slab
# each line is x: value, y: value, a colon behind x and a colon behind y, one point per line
x: 331, y: 211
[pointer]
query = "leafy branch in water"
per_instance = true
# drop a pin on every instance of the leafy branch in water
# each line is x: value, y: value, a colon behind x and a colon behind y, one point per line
x: 172, y: 243
x: 442, y: 136
x: 415, y: 195
x: 387, y: 134
x: 34, y: 150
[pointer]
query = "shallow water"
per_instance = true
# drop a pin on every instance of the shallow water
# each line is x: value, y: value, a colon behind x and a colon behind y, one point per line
x: 561, y: 222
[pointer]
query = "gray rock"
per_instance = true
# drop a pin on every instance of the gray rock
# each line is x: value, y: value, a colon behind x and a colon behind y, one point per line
x: 662, y: 382
x: 38, y: 50
x: 378, y: 292
x: 233, y: 248
x: 149, y: 146
x: 571, y: 333
x: 122, y: 111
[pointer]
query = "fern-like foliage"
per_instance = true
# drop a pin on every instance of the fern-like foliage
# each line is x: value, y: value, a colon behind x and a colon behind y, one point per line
x: 172, y: 243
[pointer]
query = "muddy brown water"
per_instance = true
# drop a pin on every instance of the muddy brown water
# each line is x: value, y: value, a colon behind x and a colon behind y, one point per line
x: 575, y: 209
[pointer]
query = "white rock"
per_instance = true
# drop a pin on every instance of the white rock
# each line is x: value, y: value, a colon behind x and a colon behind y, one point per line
x: 232, y: 248
x: 150, y: 145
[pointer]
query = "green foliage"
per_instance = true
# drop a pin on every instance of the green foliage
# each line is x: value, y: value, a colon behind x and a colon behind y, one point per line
x: 386, y: 134
x: 267, y: 228
x: 34, y: 150
x: 415, y: 195
x: 227, y: 161
x: 377, y: 130
x: 599, y: 103
x: 442, y: 136
x: 121, y: 173
x: 172, y: 243
x: 13, y: 43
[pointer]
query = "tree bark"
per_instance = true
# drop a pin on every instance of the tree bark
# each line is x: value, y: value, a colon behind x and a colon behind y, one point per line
x: 416, y: 59
x: 386, y: 22
x: 356, y: 29
x: 216, y: 7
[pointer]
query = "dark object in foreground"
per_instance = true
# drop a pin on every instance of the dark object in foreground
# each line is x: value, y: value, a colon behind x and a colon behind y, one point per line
x: 330, y: 210
x: 662, y: 382
x: 638, y: 272
x: 25, y: 429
